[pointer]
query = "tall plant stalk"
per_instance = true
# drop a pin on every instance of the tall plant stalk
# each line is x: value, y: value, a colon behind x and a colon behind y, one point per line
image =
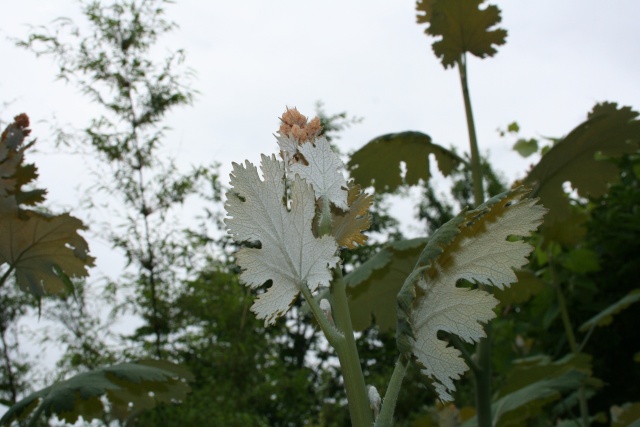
x: 571, y: 338
x: 483, y: 355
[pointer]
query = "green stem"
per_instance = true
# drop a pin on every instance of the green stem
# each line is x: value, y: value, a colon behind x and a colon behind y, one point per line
x: 483, y: 373
x: 347, y: 351
x: 571, y: 338
x: 385, y: 419
x: 476, y: 170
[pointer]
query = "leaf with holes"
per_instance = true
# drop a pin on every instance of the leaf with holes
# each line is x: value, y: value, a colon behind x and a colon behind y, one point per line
x: 462, y: 26
x: 476, y: 246
x: 378, y: 162
x: 289, y: 256
x: 128, y: 387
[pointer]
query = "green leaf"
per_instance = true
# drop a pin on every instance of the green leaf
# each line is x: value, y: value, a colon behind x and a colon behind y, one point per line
x: 627, y: 415
x: 526, y: 147
x: 35, y: 245
x: 378, y: 162
x: 463, y: 26
x: 605, y: 317
x: 129, y: 388
x: 528, y: 285
x: 608, y: 130
x: 476, y: 246
x: 513, y: 127
x: 533, y: 383
x: 13, y: 172
x: 581, y: 261
x: 372, y: 288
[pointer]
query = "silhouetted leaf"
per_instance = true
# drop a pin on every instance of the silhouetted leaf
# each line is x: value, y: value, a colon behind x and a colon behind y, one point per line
x: 378, y: 162
x: 608, y: 130
x: 462, y: 26
x: 34, y: 245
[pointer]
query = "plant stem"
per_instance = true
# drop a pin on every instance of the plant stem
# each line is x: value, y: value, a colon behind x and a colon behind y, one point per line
x: 483, y: 373
x: 476, y: 170
x: 571, y: 338
x: 385, y: 419
x: 359, y: 407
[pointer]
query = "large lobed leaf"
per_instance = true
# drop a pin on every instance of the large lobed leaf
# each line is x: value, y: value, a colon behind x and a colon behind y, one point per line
x: 378, y: 162
x: 129, y: 388
x: 475, y: 246
x: 608, y: 131
x: 290, y: 256
x: 42, y: 250
x: 463, y: 26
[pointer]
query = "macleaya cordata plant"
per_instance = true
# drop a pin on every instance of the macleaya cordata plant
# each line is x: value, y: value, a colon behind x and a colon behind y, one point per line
x: 299, y: 213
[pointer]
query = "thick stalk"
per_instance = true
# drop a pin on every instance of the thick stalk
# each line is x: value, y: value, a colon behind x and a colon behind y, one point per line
x: 483, y: 373
x: 359, y: 407
x: 385, y: 419
x: 571, y: 338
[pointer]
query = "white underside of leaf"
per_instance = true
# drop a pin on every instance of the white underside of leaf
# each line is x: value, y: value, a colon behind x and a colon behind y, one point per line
x: 323, y: 172
x: 484, y: 257
x: 290, y: 256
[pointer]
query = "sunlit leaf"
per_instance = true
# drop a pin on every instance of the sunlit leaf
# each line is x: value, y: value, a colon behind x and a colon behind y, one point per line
x: 461, y: 26
x: 348, y: 226
x: 605, y: 317
x: 289, y: 255
x: 323, y: 170
x: 129, y: 388
x: 378, y: 162
x: 608, y: 130
x: 476, y: 246
x: 372, y: 287
x: 34, y: 245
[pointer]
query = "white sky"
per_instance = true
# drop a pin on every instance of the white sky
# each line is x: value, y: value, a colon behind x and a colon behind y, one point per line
x: 367, y: 57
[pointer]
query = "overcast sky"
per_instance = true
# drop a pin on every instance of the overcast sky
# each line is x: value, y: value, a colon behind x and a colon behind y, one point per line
x: 253, y: 58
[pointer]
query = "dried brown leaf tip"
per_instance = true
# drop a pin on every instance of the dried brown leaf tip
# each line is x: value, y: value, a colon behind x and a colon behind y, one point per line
x: 297, y: 126
x: 20, y: 123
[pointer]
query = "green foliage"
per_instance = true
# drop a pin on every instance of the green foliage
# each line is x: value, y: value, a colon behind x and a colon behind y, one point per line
x: 42, y: 250
x: 378, y: 162
x: 128, y: 387
x: 463, y: 26
x: 526, y: 147
x: 605, y: 317
x: 608, y: 131
x: 372, y: 287
x: 474, y: 246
